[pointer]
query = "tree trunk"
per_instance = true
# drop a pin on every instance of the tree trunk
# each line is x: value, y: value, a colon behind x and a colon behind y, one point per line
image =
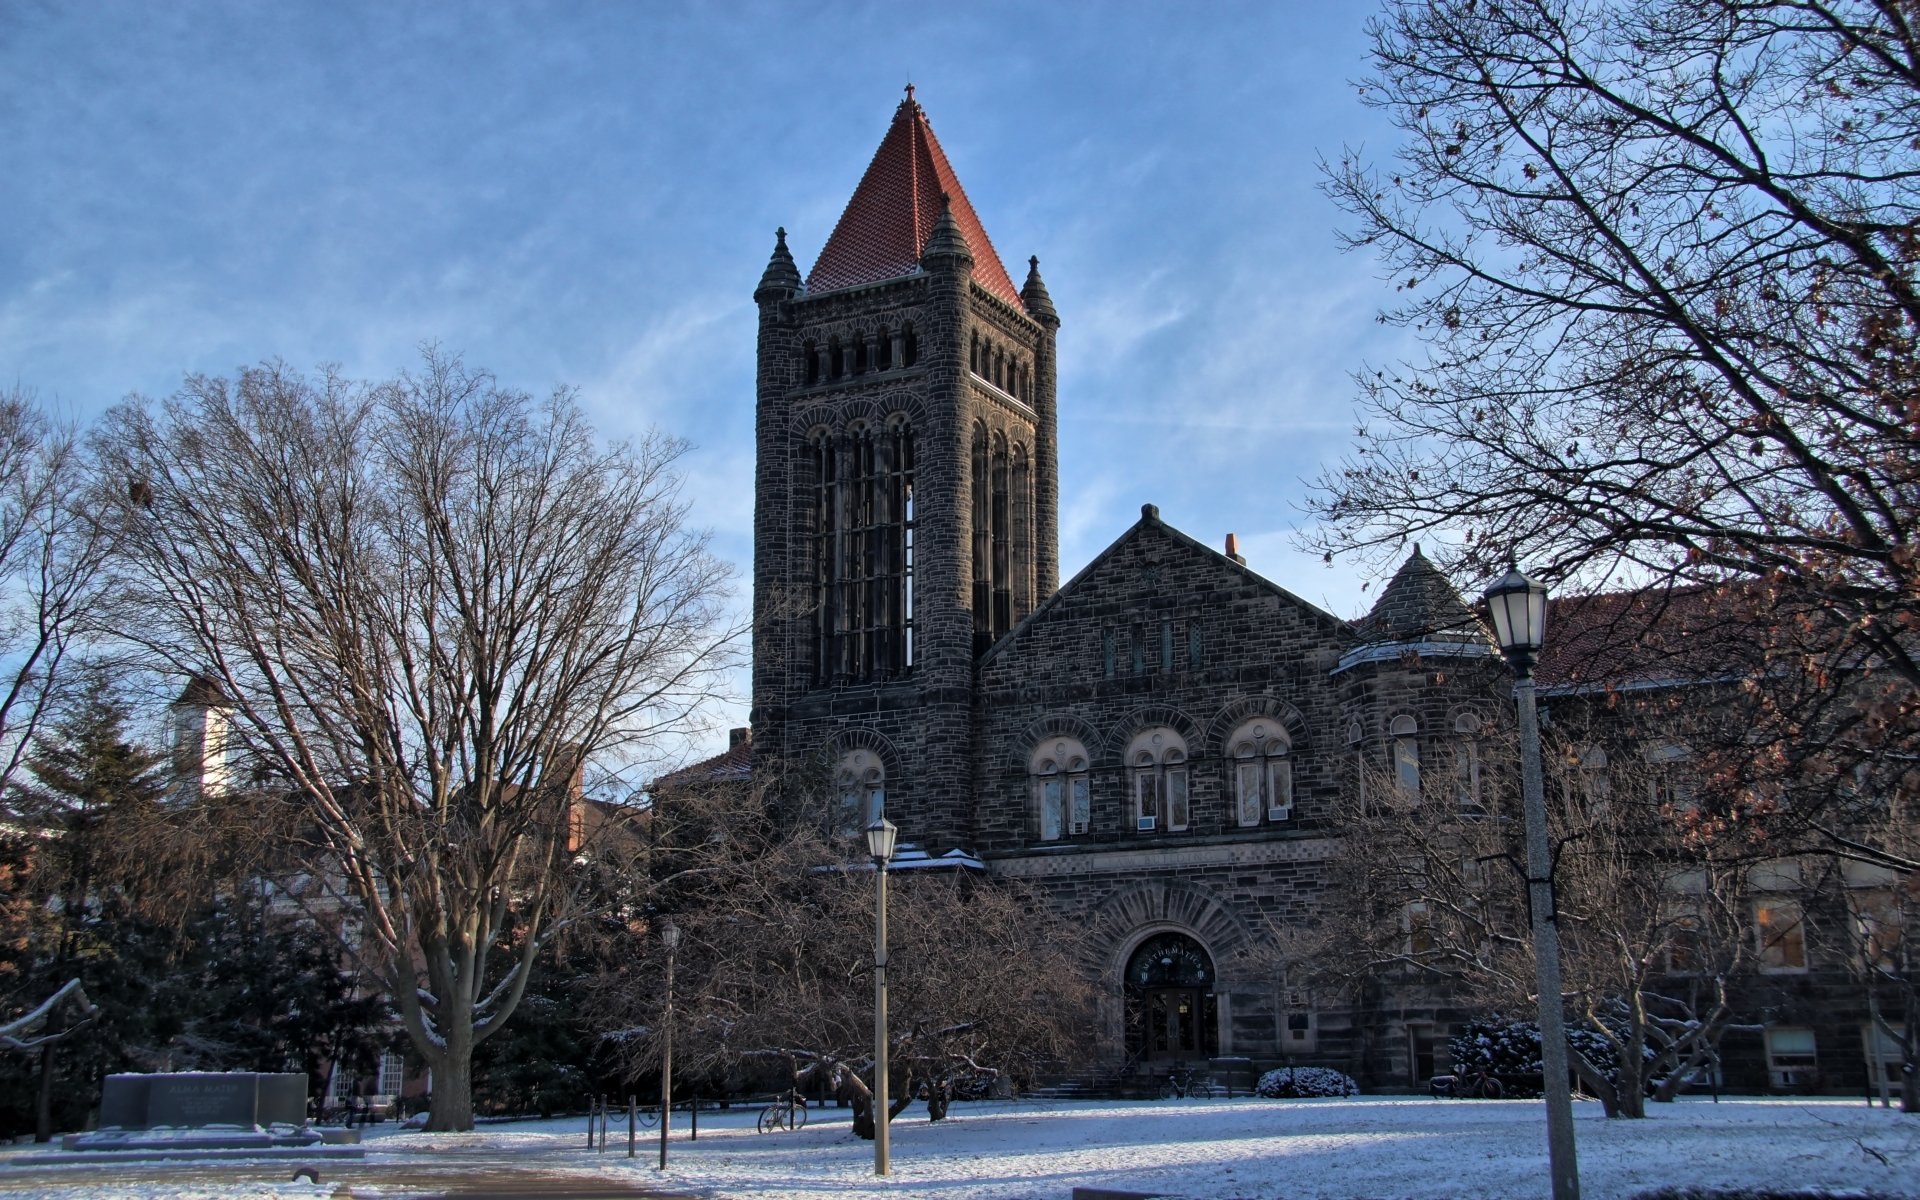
x: 43, y: 1106
x: 451, y: 1109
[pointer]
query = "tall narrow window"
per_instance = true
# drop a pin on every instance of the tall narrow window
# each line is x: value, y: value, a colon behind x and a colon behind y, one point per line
x: 1002, y: 542
x: 1406, y: 759
x: 1059, y: 772
x: 1022, y: 534
x: 863, y: 553
x: 1466, y: 763
x: 982, y: 543
x: 1262, y: 772
x: 860, y: 792
x: 883, y: 350
x: 1157, y: 760
x: 910, y: 346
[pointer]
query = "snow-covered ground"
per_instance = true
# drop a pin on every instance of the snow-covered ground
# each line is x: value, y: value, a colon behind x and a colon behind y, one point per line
x: 1218, y: 1149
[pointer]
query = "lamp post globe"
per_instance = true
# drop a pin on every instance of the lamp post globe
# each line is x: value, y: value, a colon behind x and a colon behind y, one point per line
x: 881, y: 836
x: 1518, y: 606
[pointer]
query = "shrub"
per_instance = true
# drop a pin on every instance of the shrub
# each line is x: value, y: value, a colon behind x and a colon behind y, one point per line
x: 1511, y: 1050
x: 1294, y: 1083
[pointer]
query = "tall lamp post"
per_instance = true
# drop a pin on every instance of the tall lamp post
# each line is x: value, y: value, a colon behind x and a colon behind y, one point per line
x: 880, y: 839
x: 1518, y: 606
x: 670, y: 938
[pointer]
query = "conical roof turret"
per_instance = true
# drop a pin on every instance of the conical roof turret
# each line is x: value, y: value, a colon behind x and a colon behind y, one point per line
x: 1034, y: 295
x: 946, y: 246
x: 781, y: 280
x: 891, y: 218
x: 1420, y: 604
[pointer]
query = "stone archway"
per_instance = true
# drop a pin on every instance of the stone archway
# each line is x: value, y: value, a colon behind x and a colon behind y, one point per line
x: 1171, y: 1006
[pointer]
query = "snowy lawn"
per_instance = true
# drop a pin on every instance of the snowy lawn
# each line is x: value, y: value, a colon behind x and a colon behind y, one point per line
x: 1296, y: 1149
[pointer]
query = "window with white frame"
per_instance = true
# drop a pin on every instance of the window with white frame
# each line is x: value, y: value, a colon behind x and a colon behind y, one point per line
x: 1670, y: 781
x: 1157, y: 761
x: 1885, y: 1058
x: 1466, y: 763
x: 1791, y: 1059
x: 1594, y: 785
x: 393, y: 1074
x: 1780, y: 927
x: 1262, y: 772
x: 860, y: 790
x: 1406, y: 758
x: 1059, y: 772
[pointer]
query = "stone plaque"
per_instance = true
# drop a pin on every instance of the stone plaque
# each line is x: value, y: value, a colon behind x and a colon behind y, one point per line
x: 197, y: 1099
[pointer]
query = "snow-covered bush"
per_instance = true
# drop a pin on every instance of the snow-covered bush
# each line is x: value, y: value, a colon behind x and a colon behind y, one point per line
x: 1511, y: 1051
x: 1293, y: 1083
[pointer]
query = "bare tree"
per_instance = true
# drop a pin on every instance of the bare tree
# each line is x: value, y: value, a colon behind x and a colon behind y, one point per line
x: 1649, y: 887
x: 50, y: 558
x: 775, y: 965
x: 424, y: 603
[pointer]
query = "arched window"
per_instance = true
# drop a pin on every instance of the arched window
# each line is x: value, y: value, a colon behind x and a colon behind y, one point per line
x: 1059, y: 771
x: 860, y: 791
x: 863, y: 552
x: 973, y: 354
x: 1262, y: 772
x: 910, y: 348
x: 883, y: 350
x: 836, y: 359
x: 810, y: 355
x: 1594, y: 785
x: 1466, y: 763
x: 1157, y: 762
x: 1406, y: 758
x: 859, y: 354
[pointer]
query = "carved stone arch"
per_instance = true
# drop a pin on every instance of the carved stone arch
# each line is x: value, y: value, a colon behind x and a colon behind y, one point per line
x: 1133, y: 914
x: 814, y: 419
x: 1041, y: 728
x: 1462, y: 718
x: 837, y: 746
x: 911, y: 405
x: 1146, y: 717
x: 1240, y: 711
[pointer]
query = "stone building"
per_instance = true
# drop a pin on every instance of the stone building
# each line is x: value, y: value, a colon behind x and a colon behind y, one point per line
x: 1161, y: 744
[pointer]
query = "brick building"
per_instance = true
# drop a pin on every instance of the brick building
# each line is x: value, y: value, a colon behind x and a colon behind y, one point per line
x: 1160, y: 744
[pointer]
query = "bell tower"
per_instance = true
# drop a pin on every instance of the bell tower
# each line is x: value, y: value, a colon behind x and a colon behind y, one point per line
x: 906, y: 496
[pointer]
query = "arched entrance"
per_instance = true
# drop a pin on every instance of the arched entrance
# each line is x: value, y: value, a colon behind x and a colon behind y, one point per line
x: 1172, y: 1012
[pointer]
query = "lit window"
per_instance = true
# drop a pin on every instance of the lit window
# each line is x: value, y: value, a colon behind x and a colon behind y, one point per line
x: 1059, y: 771
x: 1158, y: 761
x: 1782, y: 933
x: 1262, y: 772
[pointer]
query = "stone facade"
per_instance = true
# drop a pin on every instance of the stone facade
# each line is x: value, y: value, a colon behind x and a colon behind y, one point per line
x: 1161, y: 746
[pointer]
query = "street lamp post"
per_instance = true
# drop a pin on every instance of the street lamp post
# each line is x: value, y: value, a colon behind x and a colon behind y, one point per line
x: 1518, y: 606
x: 670, y: 937
x: 880, y: 839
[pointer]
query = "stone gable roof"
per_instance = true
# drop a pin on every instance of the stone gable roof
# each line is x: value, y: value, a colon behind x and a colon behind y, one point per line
x: 1150, y: 525
x: 894, y: 210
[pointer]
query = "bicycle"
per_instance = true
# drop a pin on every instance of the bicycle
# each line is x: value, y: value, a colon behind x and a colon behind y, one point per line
x: 1187, y: 1083
x: 786, y: 1113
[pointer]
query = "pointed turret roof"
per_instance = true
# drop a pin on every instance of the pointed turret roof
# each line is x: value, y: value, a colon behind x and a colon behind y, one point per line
x: 894, y: 210
x: 1421, y: 603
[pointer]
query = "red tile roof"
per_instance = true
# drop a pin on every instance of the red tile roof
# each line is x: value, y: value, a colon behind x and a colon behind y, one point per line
x: 886, y: 224
x: 734, y: 765
x: 1661, y: 636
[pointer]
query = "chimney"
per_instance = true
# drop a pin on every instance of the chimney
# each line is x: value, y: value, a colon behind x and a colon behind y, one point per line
x: 737, y: 738
x: 1233, y: 549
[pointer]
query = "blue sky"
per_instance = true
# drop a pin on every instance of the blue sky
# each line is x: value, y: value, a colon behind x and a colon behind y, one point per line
x: 586, y: 193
